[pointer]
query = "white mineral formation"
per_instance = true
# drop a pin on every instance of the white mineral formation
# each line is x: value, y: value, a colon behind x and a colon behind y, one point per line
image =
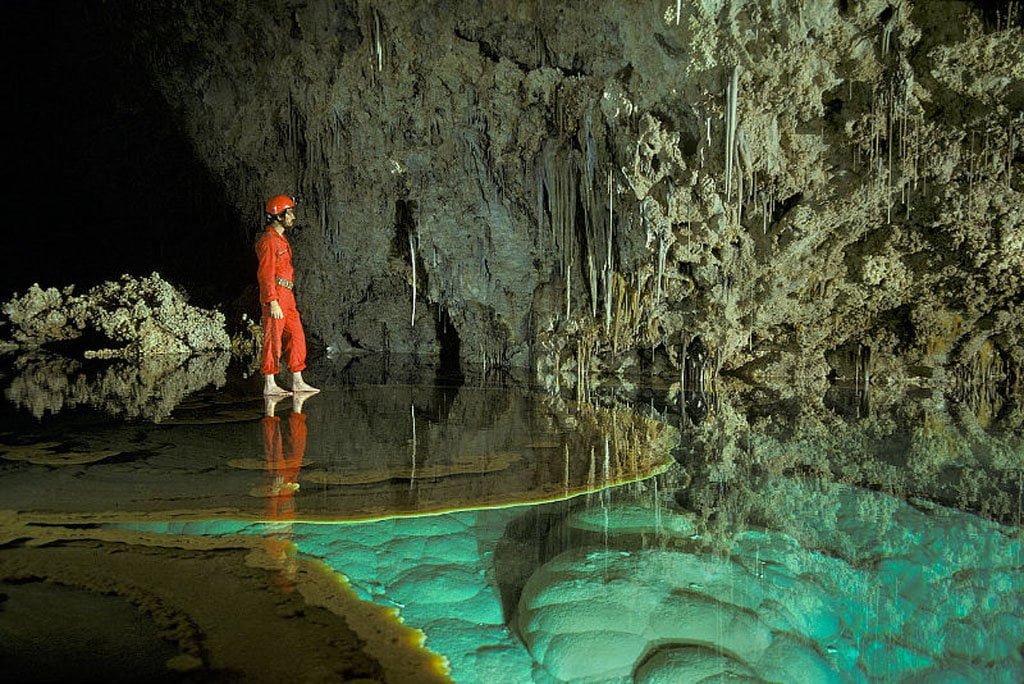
x: 130, y: 318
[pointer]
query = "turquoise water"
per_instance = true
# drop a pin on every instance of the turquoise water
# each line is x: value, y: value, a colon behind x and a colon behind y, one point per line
x: 536, y: 540
x: 621, y: 586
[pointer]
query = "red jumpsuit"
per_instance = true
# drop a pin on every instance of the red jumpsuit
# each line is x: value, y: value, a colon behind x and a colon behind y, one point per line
x: 275, y: 265
x: 283, y: 461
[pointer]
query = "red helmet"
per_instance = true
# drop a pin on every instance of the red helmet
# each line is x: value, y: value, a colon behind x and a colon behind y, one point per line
x: 279, y: 203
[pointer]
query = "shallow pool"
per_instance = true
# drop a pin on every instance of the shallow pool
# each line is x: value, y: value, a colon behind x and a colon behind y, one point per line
x: 531, y: 539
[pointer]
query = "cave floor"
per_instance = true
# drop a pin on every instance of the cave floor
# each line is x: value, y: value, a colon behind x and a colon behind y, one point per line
x: 480, y: 532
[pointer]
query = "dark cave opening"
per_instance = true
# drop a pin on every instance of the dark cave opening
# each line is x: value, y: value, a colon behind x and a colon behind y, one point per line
x: 405, y: 229
x: 999, y: 14
x: 784, y: 206
x: 451, y: 346
x: 103, y: 180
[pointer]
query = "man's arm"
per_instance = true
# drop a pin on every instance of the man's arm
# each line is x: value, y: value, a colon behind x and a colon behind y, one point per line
x: 265, y: 276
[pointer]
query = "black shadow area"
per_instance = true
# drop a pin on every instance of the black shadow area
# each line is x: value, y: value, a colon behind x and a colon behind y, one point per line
x: 100, y: 179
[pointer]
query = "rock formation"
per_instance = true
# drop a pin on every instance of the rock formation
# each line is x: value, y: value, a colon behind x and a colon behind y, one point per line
x: 785, y: 191
x: 130, y: 318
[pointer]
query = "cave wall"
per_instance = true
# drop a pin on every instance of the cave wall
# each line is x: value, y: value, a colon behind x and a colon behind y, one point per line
x: 778, y: 189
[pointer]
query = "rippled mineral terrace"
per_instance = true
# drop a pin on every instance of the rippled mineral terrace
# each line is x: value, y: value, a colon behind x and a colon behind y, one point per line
x: 480, y: 532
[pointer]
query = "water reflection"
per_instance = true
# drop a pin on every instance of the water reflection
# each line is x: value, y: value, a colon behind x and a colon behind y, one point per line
x: 283, y: 450
x: 912, y: 444
x: 149, y: 388
x: 795, y: 539
x: 370, y: 452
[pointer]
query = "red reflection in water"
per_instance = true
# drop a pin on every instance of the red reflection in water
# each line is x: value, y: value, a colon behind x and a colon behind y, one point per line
x: 283, y: 450
x: 283, y: 456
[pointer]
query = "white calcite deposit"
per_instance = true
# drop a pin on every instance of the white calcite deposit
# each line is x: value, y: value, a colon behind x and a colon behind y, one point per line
x: 873, y: 589
x: 130, y: 318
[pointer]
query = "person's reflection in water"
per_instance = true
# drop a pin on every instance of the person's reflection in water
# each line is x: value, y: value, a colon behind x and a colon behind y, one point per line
x: 283, y: 451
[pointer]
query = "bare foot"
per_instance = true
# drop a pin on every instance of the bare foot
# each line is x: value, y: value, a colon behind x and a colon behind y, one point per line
x: 299, y: 385
x: 271, y: 389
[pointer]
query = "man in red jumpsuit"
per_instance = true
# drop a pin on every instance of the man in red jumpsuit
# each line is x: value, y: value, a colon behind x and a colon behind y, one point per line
x: 282, y: 327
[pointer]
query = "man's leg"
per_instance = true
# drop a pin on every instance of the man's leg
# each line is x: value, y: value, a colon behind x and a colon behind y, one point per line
x: 295, y: 349
x: 273, y: 328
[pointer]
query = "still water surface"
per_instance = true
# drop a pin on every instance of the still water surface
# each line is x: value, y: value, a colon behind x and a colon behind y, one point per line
x: 536, y: 540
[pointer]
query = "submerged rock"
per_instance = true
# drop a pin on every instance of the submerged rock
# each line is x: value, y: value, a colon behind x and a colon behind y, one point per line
x: 130, y: 318
x: 239, y: 608
x: 834, y: 584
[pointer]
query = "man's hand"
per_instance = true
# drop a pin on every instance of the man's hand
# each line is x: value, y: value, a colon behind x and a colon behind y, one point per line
x: 275, y: 310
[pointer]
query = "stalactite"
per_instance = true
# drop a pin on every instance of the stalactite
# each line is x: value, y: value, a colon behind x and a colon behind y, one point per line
x: 538, y: 182
x: 377, y: 41
x: 732, y: 95
x: 566, y: 460
x: 1009, y: 161
x: 590, y: 145
x: 739, y: 192
x: 593, y: 285
x: 662, y: 253
x: 412, y: 473
x: 889, y: 141
x: 620, y: 288
x: 557, y: 178
x: 568, y: 292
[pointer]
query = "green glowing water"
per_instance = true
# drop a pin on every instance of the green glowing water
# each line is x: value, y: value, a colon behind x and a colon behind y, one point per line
x: 620, y: 586
x: 537, y: 541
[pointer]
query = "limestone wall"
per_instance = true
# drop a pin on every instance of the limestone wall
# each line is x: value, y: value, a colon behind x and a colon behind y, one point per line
x: 777, y: 189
